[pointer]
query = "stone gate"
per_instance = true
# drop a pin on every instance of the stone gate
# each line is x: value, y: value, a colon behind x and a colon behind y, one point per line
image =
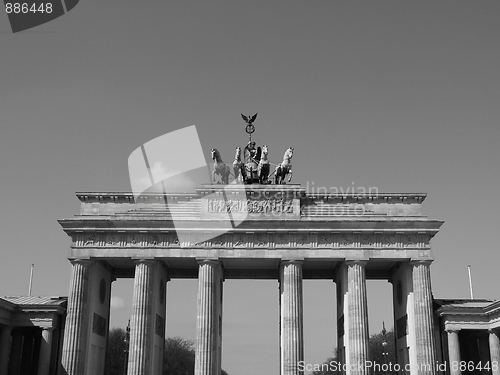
x: 276, y: 232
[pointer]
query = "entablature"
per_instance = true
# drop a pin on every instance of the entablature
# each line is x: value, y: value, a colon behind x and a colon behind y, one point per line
x: 252, y: 239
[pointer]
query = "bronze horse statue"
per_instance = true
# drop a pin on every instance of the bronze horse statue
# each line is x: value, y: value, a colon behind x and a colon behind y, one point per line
x: 220, y: 167
x: 263, y: 168
x: 285, y: 168
x: 238, y: 166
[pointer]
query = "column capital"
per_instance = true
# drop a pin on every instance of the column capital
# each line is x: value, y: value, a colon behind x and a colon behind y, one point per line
x: 82, y: 261
x: 144, y: 260
x: 214, y: 261
x: 451, y: 331
x: 494, y: 331
x: 292, y: 261
x: 421, y: 262
x: 354, y: 262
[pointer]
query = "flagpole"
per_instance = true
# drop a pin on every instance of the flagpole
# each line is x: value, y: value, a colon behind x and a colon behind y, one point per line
x: 31, y: 279
x: 470, y: 284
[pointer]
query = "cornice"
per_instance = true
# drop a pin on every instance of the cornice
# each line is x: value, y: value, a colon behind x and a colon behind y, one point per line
x: 340, y: 224
x: 296, y: 190
x: 7, y: 305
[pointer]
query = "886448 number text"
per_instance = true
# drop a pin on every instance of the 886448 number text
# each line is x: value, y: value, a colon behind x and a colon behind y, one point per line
x: 26, y: 8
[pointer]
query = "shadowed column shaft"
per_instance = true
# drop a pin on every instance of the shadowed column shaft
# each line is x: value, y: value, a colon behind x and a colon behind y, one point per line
x: 494, y: 352
x: 75, y: 333
x: 292, y: 337
x: 454, y: 352
x: 5, y: 335
x: 358, y: 317
x: 206, y: 325
x: 37, y: 340
x: 27, y: 356
x: 141, y: 321
x: 15, y: 352
x: 423, y: 315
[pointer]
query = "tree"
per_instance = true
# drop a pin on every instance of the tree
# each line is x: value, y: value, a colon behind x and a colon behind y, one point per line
x: 376, y: 350
x: 116, y: 354
x: 179, y: 357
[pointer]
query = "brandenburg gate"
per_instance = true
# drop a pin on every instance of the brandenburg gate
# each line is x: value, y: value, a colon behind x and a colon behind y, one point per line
x: 248, y: 231
x: 253, y: 228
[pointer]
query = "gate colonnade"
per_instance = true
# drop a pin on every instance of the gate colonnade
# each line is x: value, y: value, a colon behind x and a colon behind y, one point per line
x: 288, y: 235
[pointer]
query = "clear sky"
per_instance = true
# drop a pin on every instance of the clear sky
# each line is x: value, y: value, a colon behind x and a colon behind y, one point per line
x: 398, y: 95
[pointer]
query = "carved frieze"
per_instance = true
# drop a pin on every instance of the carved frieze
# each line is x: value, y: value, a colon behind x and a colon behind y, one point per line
x: 173, y: 240
x: 90, y: 240
x: 132, y: 239
x: 239, y: 240
x: 303, y: 240
x: 280, y: 240
x: 388, y: 240
x: 154, y: 240
x: 410, y: 240
x: 260, y: 240
x: 345, y: 240
x: 219, y: 241
x: 368, y: 240
x: 325, y: 240
x: 111, y: 239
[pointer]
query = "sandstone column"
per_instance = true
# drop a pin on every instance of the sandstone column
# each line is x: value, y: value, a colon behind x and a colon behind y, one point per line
x: 291, y: 319
x: 208, y: 321
x: 454, y: 352
x: 15, y: 352
x: 494, y: 352
x: 76, y: 330
x: 5, y: 334
x: 358, y: 316
x: 142, y: 319
x: 423, y: 315
x: 45, y: 351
